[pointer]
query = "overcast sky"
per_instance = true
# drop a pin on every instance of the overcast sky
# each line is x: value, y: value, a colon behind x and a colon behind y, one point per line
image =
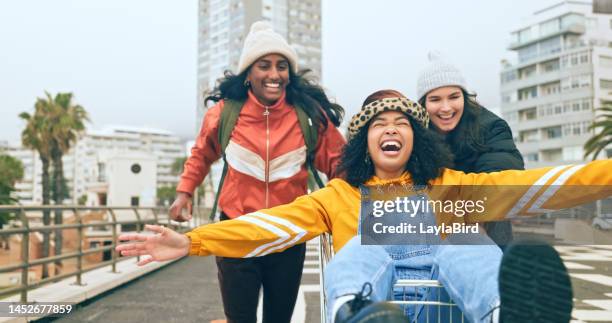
x: 133, y: 62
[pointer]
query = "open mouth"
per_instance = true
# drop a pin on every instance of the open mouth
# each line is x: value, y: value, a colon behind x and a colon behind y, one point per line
x: 390, y: 146
x: 272, y: 85
x: 446, y: 117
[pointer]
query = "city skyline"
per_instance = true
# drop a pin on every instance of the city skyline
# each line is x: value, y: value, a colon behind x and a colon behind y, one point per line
x: 135, y: 63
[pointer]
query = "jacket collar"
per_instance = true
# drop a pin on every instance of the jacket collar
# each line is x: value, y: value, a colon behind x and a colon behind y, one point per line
x: 279, y: 103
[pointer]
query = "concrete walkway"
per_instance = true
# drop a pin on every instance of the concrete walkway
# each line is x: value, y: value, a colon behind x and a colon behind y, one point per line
x: 185, y: 291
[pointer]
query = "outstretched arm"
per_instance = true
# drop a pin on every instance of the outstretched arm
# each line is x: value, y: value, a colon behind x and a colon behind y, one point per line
x: 165, y: 244
x: 263, y: 232
x: 526, y: 193
x: 251, y: 235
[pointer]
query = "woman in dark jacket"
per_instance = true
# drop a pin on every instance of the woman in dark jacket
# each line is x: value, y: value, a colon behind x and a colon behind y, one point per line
x: 480, y: 140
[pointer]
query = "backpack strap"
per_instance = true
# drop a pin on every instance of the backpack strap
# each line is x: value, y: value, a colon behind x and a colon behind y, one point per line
x: 227, y: 122
x: 310, y: 134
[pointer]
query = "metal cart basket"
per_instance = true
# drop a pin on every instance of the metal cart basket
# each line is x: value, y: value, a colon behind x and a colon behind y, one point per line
x: 440, y: 310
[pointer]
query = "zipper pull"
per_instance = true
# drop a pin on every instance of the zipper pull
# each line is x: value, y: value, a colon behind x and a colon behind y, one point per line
x: 266, y: 113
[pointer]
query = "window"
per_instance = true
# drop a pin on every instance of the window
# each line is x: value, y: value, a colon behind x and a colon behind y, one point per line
x: 551, y: 88
x: 552, y: 132
x: 575, y: 82
x: 526, y: 72
x: 585, y: 125
x: 528, y: 114
x: 134, y: 201
x: 552, y: 155
x: 550, y: 46
x: 531, y: 157
x: 101, y: 172
x: 550, y: 66
x: 573, y: 41
x: 586, y: 105
x: 528, y: 52
x: 584, y: 80
x: 605, y: 84
x: 528, y: 136
x: 584, y: 58
x: 527, y: 93
x: 564, y: 61
x: 571, y: 19
x: 549, y: 27
x: 605, y: 61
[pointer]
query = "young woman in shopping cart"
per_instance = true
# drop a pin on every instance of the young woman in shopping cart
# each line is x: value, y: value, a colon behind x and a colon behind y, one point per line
x: 390, y: 146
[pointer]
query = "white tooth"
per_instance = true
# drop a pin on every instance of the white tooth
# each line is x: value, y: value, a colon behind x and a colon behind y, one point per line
x: 388, y: 143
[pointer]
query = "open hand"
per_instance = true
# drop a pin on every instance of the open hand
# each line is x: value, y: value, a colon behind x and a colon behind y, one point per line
x: 165, y: 244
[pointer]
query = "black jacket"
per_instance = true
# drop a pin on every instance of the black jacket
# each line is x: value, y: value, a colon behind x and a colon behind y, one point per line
x: 499, y: 153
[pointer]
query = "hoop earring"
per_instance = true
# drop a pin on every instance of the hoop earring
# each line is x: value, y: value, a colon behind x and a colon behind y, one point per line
x: 247, y: 83
x: 368, y: 160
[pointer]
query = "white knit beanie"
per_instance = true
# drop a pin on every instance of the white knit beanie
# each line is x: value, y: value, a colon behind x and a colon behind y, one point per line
x: 438, y: 73
x: 261, y: 41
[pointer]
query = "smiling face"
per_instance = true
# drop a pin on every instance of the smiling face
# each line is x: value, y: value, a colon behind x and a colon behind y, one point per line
x: 269, y: 76
x: 445, y: 107
x: 390, y: 140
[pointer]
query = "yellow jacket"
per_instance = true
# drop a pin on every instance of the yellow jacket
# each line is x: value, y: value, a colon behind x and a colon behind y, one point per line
x: 335, y: 208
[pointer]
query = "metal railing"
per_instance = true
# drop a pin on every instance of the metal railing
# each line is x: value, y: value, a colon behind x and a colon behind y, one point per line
x: 25, y: 230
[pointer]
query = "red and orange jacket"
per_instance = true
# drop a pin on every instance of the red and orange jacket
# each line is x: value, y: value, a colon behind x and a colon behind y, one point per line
x: 266, y: 157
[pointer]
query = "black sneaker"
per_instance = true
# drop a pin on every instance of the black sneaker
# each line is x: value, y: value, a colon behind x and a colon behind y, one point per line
x: 362, y: 310
x: 534, y: 285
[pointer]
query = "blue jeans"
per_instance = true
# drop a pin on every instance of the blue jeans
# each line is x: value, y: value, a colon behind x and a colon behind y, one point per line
x: 469, y: 274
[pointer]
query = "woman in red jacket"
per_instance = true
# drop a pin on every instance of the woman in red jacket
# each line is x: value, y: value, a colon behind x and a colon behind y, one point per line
x: 266, y: 158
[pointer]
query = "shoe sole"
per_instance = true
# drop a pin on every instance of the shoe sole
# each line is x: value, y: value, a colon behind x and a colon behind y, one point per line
x: 380, y: 313
x: 534, y: 285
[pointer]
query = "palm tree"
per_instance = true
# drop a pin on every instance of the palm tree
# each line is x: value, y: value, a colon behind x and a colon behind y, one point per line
x: 52, y: 130
x: 36, y: 136
x: 67, y: 124
x: 176, y: 168
x: 603, y: 139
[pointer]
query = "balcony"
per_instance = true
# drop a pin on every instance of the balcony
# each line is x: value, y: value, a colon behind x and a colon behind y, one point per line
x: 575, y: 29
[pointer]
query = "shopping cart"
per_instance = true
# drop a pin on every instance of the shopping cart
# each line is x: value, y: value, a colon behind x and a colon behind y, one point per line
x: 437, y: 310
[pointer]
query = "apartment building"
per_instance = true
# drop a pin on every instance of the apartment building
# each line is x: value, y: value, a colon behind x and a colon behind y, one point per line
x: 562, y: 74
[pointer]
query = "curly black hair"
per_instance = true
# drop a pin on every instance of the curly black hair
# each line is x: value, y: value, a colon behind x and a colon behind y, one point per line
x: 429, y: 156
x: 301, y: 90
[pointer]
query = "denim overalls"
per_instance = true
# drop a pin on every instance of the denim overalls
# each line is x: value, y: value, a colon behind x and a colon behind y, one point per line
x: 468, y: 272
